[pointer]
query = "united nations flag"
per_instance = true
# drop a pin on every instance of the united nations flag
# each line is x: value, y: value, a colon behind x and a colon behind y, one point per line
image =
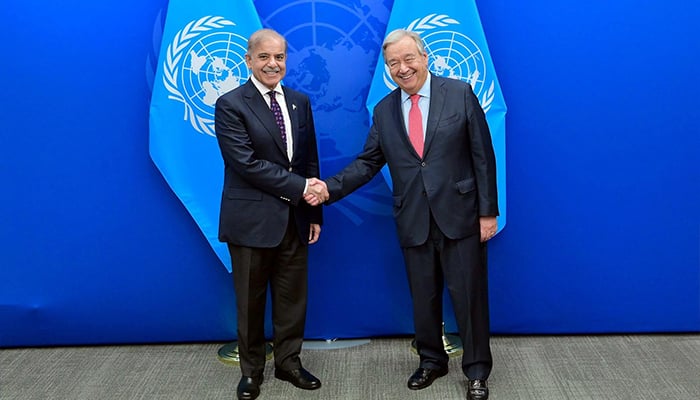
x: 456, y: 45
x: 202, y: 56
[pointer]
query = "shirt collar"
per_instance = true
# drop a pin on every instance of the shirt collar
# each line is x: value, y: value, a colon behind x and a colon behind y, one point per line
x: 264, y: 89
x: 424, y: 91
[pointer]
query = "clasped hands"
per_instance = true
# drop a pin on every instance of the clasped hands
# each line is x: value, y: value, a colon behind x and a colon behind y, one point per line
x: 316, y: 192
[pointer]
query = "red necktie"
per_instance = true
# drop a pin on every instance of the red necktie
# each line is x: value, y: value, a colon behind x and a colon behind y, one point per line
x: 277, y: 112
x: 415, y: 125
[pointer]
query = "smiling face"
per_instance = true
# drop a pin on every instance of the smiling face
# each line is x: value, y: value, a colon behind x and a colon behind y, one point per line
x: 408, y: 66
x: 267, y: 59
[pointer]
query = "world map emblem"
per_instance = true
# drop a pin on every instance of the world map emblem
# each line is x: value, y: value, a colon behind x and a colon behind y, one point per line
x: 319, y: 52
x: 452, y: 54
x: 204, y: 60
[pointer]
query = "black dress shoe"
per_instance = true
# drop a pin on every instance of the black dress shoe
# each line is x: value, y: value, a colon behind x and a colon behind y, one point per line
x: 424, y: 377
x: 477, y: 390
x: 300, y: 378
x: 249, y: 387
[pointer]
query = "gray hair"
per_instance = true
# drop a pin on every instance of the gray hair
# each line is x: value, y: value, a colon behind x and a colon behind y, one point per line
x: 263, y: 34
x: 399, y: 34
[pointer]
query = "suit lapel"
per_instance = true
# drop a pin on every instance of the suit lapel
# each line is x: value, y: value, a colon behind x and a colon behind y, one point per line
x: 293, y: 118
x: 399, y: 122
x: 437, y: 102
x: 262, y: 111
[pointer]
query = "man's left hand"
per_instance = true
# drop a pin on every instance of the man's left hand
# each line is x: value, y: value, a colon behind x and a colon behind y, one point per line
x: 489, y: 226
x: 314, y: 233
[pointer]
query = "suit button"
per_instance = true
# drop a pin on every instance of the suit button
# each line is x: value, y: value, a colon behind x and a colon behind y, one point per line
x: 290, y: 169
x: 422, y: 164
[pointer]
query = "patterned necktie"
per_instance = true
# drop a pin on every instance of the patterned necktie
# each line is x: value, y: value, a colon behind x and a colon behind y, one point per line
x: 415, y: 125
x: 277, y: 112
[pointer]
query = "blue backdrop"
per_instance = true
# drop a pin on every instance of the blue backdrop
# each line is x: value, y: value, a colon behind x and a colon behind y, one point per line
x: 603, y: 174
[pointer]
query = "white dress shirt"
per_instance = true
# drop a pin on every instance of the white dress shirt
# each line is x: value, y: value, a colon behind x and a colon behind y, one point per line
x: 423, y: 104
x: 279, y: 96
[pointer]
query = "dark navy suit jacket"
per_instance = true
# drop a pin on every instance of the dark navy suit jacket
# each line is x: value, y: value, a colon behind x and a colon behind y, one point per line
x: 260, y: 183
x: 456, y: 178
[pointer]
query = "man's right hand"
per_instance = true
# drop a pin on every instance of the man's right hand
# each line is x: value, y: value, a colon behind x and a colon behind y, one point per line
x: 316, y: 192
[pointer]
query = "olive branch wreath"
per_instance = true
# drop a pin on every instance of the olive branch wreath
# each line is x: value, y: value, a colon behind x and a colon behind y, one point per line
x: 433, y: 21
x: 171, y: 66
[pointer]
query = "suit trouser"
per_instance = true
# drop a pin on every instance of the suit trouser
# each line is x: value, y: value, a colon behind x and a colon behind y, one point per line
x: 461, y: 264
x: 285, y: 269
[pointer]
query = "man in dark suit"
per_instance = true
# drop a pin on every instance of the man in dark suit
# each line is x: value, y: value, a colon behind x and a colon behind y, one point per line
x: 432, y: 133
x: 268, y: 142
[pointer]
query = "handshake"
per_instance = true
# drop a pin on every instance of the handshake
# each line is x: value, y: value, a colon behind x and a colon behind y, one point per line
x: 316, y: 192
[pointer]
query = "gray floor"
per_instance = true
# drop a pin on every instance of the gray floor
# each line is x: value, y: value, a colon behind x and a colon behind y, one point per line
x: 526, y: 367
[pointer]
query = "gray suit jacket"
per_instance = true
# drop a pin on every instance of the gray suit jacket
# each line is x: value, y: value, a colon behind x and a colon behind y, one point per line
x: 456, y: 178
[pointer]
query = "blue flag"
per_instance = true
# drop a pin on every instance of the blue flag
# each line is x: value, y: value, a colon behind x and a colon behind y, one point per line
x: 456, y: 45
x: 202, y: 56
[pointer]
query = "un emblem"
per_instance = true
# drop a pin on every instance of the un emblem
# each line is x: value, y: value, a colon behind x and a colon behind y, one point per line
x: 452, y: 54
x: 204, y: 61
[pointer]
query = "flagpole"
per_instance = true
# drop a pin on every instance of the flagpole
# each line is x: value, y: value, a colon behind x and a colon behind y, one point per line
x: 228, y: 353
x: 451, y: 343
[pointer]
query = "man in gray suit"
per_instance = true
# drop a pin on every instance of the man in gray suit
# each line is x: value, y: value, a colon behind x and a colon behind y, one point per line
x: 268, y: 142
x: 432, y: 133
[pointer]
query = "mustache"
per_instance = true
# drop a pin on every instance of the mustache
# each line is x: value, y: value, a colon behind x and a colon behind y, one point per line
x: 277, y: 69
